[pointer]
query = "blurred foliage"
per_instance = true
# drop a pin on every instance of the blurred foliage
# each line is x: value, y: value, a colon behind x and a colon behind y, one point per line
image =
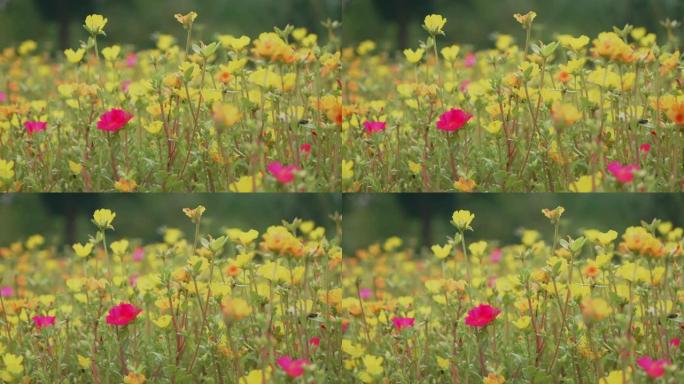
x: 142, y: 216
x: 136, y: 21
x: 372, y: 218
x: 476, y: 21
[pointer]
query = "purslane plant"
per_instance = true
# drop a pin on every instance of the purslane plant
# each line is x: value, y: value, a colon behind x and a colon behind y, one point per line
x: 237, y: 114
x: 574, y: 114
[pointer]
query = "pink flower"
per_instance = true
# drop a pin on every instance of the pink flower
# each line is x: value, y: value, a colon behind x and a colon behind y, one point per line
x: 6, y: 291
x: 374, y: 126
x: 138, y: 254
x: 365, y: 293
x: 282, y: 173
x: 470, y: 60
x: 3, y: 97
x: 623, y: 173
x: 306, y: 148
x: 645, y: 148
x: 315, y: 341
x: 124, y: 85
x: 653, y: 368
x: 114, y: 120
x: 453, y: 120
x: 675, y: 342
x: 482, y: 315
x: 43, y: 321
x: 403, y: 322
x: 464, y: 85
x: 35, y: 126
x: 293, y: 368
x: 491, y: 281
x: 495, y: 256
x: 131, y: 60
x: 122, y: 314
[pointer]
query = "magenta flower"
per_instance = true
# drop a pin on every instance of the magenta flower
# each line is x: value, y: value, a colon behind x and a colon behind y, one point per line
x: 645, y: 148
x: 35, y: 126
x: 495, y: 256
x: 131, y: 60
x: 6, y: 291
x: 315, y: 341
x: 675, y: 342
x: 122, y: 314
x: 293, y: 368
x: 138, y: 254
x: 403, y: 322
x: 43, y: 321
x: 453, y: 120
x: 482, y: 315
x: 365, y: 293
x: 653, y: 368
x: 374, y: 126
x: 470, y: 60
x: 283, y: 173
x: 306, y: 148
x: 3, y: 97
x: 623, y: 173
x: 114, y: 120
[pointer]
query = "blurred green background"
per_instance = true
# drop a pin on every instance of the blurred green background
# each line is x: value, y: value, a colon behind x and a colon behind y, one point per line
x: 65, y: 218
x: 58, y: 23
x: 423, y: 219
x: 397, y: 23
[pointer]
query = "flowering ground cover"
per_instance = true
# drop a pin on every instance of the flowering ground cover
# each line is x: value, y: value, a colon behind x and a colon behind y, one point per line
x: 240, y: 307
x: 591, y: 306
x: 236, y: 113
x: 580, y: 113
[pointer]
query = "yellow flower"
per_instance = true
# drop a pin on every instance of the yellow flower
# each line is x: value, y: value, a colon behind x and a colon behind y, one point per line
x: 242, y: 237
x: 256, y: 376
x: 236, y: 43
x: 75, y: 168
x: 493, y: 378
x: 565, y: 114
x: 365, y: 47
x: 246, y: 184
x: 392, y: 243
x: 82, y: 250
x: 74, y: 56
x: 615, y: 377
x: 586, y: 183
x: 347, y: 169
x: 450, y: 53
x: 574, y: 43
x: 373, y: 364
x: 465, y: 185
x: 111, y: 53
x: 83, y: 361
x: 462, y: 219
x: 226, y: 115
x: 553, y: 214
x: 6, y: 169
x: 125, y: 185
x: 95, y: 24
x: 119, y: 247
x: 494, y: 127
x: 162, y: 321
x: 522, y: 322
x: 441, y: 251
x: 442, y: 362
x: 27, y: 47
x: 478, y: 248
x: 187, y: 19
x: 14, y: 364
x: 595, y: 308
x: 134, y: 378
x: 414, y: 56
x: 525, y: 20
x: 415, y: 168
x: 103, y: 218
x: 235, y: 308
x: 434, y: 24
x: 351, y: 349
